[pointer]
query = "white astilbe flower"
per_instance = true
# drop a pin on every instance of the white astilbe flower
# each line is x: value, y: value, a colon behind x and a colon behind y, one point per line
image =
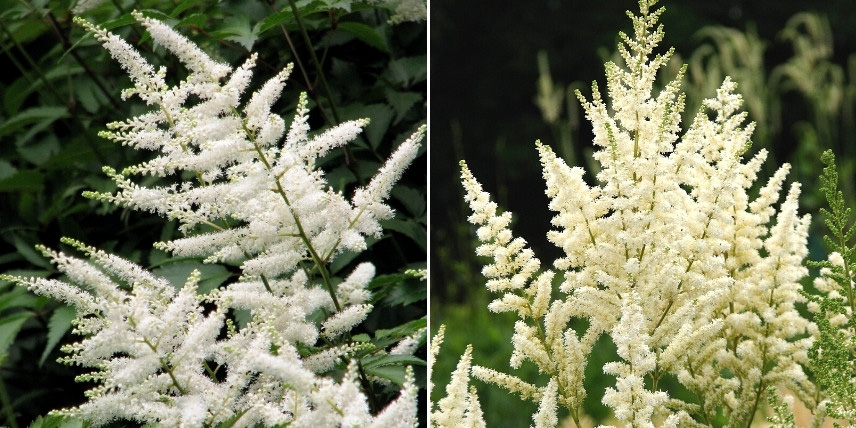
x: 409, y: 344
x: 154, y: 350
x: 163, y: 354
x: 546, y: 415
x: 345, y: 320
x: 284, y: 209
x: 667, y: 254
x: 632, y: 403
x: 457, y: 409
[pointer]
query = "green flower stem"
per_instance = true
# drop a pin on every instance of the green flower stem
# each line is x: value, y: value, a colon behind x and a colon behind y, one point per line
x: 164, y: 364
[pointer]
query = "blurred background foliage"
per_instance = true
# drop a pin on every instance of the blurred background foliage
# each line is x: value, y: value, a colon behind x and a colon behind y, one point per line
x: 59, y: 88
x: 504, y: 77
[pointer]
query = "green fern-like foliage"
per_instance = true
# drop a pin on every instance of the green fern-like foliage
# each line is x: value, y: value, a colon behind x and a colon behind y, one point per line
x: 833, y: 354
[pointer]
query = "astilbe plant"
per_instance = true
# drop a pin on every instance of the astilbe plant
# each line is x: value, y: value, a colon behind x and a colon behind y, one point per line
x: 170, y: 355
x: 692, y: 279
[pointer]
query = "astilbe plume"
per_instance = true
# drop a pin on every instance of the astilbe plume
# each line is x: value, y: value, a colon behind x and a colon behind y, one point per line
x: 162, y: 354
x: 669, y: 256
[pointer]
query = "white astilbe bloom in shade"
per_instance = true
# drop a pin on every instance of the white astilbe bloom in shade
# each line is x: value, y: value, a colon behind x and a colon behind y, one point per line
x: 154, y: 346
x: 280, y: 207
x: 666, y: 253
x: 255, y: 351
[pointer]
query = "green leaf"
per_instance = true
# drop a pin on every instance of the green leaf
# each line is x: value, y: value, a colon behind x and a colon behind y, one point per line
x: 397, y: 289
x: 286, y: 17
x: 413, y: 200
x: 366, y: 34
x: 196, y: 19
x: 402, y: 102
x: 338, y: 4
x: 126, y: 19
x: 392, y: 360
x: 408, y: 70
x: 58, y: 325
x: 347, y: 257
x: 237, y: 29
x: 381, y: 116
x: 393, y: 373
x: 38, y: 152
x: 9, y: 327
x: 178, y: 272
x: 6, y: 169
x: 56, y: 421
x: 9, y: 298
x: 24, y: 181
x: 409, y: 228
x: 390, y: 366
x: 186, y: 4
x: 45, y: 115
x: 28, y: 251
x: 403, y: 330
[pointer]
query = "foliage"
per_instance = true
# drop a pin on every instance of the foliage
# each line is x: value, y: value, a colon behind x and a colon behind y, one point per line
x: 66, y: 89
x: 833, y: 355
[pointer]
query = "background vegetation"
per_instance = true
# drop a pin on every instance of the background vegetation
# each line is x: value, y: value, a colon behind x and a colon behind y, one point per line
x: 795, y: 67
x: 59, y: 88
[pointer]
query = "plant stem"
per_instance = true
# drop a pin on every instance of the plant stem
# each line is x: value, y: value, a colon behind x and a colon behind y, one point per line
x: 315, y: 62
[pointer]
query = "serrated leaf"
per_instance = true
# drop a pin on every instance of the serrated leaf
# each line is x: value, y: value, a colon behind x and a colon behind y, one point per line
x: 406, y: 294
x: 58, y: 325
x: 44, y: 115
x: 402, y: 102
x: 407, y: 71
x: 413, y: 200
x: 409, y: 228
x: 366, y: 34
x: 56, y: 421
x: 9, y: 298
x: 237, y: 29
x: 9, y: 327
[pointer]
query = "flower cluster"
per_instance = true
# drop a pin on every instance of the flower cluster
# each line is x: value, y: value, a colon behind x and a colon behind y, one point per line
x: 669, y: 256
x: 166, y: 354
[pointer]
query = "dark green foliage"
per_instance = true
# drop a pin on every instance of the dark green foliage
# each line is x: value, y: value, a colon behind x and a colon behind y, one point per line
x: 59, y: 88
